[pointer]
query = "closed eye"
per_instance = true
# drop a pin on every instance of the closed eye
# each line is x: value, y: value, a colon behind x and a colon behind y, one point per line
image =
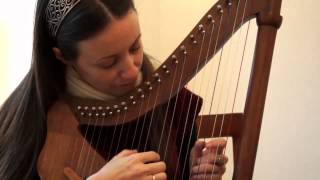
x: 109, y: 63
x: 135, y: 49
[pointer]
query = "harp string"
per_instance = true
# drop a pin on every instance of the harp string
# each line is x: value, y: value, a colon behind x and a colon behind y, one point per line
x: 218, y: 70
x: 241, y: 65
x: 200, y: 88
x: 136, y: 127
x: 239, y: 75
x: 121, y: 130
x: 237, y: 83
x: 80, y: 166
x: 166, y: 114
x: 207, y: 58
x: 203, y: 33
x: 87, y: 161
x: 113, y: 137
x: 143, y: 124
x: 221, y: 19
x: 174, y: 110
x: 98, y: 142
x: 151, y: 121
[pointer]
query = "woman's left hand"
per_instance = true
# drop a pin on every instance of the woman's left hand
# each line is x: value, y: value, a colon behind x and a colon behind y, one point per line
x: 207, y: 160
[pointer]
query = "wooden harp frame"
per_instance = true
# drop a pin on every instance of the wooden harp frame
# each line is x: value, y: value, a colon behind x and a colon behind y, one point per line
x: 244, y: 128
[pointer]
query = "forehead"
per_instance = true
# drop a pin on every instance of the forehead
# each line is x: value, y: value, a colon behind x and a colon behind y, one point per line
x: 117, y: 36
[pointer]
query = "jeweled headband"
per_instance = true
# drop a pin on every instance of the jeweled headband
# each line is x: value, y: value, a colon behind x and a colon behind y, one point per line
x: 56, y: 12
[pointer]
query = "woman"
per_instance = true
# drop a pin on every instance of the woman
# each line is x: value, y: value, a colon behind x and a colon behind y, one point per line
x: 92, y: 49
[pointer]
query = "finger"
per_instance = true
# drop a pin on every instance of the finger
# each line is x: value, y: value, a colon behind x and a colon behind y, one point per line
x: 216, y: 145
x: 71, y: 174
x: 216, y: 142
x: 208, y: 169
x: 212, y: 159
x: 154, y: 168
x: 206, y: 177
x: 125, y: 152
x: 218, y: 160
x: 147, y: 157
x: 158, y: 176
x: 202, y: 168
x: 197, y: 148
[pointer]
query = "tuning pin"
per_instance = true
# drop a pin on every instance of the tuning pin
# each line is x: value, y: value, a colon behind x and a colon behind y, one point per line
x: 148, y: 83
x: 174, y: 59
x: 219, y: 7
x: 210, y: 19
x: 183, y: 49
x: 200, y: 27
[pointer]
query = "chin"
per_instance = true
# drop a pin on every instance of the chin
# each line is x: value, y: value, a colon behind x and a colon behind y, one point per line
x: 122, y: 91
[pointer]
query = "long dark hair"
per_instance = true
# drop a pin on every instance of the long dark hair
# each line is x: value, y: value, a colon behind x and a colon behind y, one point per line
x: 23, y: 115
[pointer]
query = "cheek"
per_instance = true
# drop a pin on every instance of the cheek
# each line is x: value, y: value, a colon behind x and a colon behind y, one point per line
x: 138, y: 59
x: 106, y: 78
x: 98, y: 78
x: 104, y: 81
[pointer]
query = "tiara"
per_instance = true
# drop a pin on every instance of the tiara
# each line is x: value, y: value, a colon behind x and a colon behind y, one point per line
x: 56, y: 12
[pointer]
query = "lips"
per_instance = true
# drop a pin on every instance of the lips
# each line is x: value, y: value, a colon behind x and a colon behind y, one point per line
x: 128, y: 83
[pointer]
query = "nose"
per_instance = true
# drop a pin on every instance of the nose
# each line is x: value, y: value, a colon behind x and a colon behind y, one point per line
x: 129, y: 71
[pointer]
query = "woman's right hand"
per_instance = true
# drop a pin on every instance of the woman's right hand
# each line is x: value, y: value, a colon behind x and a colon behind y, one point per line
x: 129, y: 164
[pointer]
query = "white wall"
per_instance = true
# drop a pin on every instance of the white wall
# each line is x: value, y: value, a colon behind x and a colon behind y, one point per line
x: 288, y: 147
x: 16, y: 21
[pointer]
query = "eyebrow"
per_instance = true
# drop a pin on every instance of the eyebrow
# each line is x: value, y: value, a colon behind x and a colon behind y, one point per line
x: 114, y: 55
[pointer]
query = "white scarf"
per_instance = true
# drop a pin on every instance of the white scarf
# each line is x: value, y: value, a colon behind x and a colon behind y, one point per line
x: 76, y: 86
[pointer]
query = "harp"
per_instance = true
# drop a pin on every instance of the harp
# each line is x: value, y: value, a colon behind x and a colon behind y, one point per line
x: 187, y: 59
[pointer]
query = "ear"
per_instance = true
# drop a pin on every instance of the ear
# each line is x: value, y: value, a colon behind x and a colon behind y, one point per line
x: 60, y: 56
